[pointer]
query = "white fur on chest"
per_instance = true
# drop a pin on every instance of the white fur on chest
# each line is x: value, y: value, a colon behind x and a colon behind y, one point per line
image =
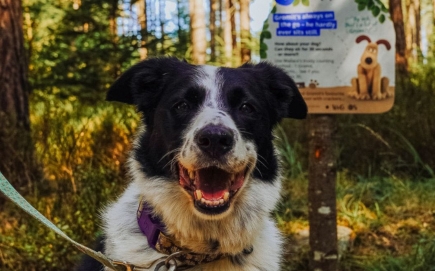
x: 249, y: 224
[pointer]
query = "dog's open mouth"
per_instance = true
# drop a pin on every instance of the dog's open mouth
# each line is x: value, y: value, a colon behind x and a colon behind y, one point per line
x: 211, y: 188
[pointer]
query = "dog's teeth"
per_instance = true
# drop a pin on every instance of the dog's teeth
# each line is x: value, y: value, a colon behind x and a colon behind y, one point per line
x: 198, y: 194
x: 203, y: 201
x: 221, y: 201
x: 233, y: 177
x: 191, y: 174
x: 226, y: 196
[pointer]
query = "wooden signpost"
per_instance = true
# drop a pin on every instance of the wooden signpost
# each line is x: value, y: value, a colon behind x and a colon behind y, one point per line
x: 341, y: 55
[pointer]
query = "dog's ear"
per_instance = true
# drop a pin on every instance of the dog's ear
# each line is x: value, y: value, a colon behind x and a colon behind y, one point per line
x: 384, y: 42
x: 362, y: 38
x: 286, y: 96
x: 141, y: 84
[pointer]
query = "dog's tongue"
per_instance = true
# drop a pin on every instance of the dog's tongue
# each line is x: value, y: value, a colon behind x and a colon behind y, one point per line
x: 213, y: 182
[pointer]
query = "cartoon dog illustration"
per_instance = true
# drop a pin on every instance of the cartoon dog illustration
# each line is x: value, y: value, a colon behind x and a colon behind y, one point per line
x: 369, y: 84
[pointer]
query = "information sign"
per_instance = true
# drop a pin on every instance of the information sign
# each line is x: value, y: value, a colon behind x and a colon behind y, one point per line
x: 340, y: 53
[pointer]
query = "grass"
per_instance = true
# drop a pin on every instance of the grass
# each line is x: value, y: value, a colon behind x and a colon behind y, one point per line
x: 81, y: 150
x: 393, y: 220
x: 384, y: 188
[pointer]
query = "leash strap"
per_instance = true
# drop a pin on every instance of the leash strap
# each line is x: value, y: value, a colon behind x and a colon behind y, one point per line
x: 13, y: 195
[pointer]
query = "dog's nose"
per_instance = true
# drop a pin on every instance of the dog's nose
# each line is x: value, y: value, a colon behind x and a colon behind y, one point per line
x: 369, y: 60
x: 215, y: 140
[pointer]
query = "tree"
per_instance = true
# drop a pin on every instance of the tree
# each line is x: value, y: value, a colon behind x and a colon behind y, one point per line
x: 412, y: 30
x: 141, y: 7
x: 162, y: 26
x: 233, y: 11
x: 433, y: 16
x: 228, y: 37
x: 397, y: 17
x: 15, y: 143
x: 213, y: 9
x: 245, y: 33
x: 197, y: 31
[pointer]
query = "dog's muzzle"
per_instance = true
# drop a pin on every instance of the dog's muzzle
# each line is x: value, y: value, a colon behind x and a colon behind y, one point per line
x: 213, y: 167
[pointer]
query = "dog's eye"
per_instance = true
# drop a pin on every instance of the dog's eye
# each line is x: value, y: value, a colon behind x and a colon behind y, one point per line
x: 247, y: 108
x: 182, y: 107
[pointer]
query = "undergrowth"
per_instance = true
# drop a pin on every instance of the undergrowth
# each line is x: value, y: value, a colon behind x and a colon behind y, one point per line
x: 384, y: 189
x: 385, y: 184
x: 82, y: 150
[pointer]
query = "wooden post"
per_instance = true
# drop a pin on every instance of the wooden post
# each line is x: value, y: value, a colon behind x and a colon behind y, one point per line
x: 321, y: 193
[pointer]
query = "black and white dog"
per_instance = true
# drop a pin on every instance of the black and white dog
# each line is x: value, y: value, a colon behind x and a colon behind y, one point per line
x: 204, y: 172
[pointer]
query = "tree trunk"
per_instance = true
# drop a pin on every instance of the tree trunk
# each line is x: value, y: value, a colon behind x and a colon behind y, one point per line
x: 183, y: 34
x: 433, y: 16
x: 16, y: 150
x: 113, y: 30
x: 197, y: 31
x: 322, y: 213
x: 213, y: 10
x: 162, y: 26
x: 228, y: 37
x: 152, y: 27
x: 412, y: 29
x: 397, y: 17
x: 141, y: 7
x: 245, y: 31
x: 417, y: 10
x: 112, y: 19
x: 233, y: 11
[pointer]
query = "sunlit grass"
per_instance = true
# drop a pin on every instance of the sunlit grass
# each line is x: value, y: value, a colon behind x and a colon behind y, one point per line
x: 393, y: 220
x: 82, y: 150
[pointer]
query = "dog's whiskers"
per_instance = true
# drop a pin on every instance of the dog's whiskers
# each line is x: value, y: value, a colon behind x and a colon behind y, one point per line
x: 252, y: 164
x: 171, y: 163
x: 262, y: 158
x: 169, y: 153
x: 243, y: 131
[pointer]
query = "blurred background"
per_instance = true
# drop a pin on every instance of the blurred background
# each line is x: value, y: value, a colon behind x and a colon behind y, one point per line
x: 63, y: 147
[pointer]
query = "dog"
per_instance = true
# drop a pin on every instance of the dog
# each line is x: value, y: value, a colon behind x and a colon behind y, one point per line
x: 204, y: 173
x: 369, y: 84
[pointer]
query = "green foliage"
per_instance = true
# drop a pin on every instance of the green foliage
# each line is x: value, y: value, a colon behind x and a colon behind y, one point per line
x: 398, y: 142
x: 303, y: 2
x: 377, y: 8
x: 77, y: 51
x: 385, y: 183
x: 73, y: 53
x: 386, y: 163
x: 289, y: 155
x: 392, y: 219
x: 265, y: 34
x: 81, y: 148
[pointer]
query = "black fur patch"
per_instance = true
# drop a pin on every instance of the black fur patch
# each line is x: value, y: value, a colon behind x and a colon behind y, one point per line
x: 238, y: 259
x: 214, y: 245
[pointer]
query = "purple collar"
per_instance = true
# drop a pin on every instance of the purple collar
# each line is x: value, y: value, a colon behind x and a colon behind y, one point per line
x: 149, y: 224
x: 154, y: 229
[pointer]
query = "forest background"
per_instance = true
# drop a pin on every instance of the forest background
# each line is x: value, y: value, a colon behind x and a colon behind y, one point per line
x: 64, y: 148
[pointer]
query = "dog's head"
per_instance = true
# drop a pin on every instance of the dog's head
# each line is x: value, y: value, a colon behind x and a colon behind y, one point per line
x: 208, y: 129
x: 369, y: 58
